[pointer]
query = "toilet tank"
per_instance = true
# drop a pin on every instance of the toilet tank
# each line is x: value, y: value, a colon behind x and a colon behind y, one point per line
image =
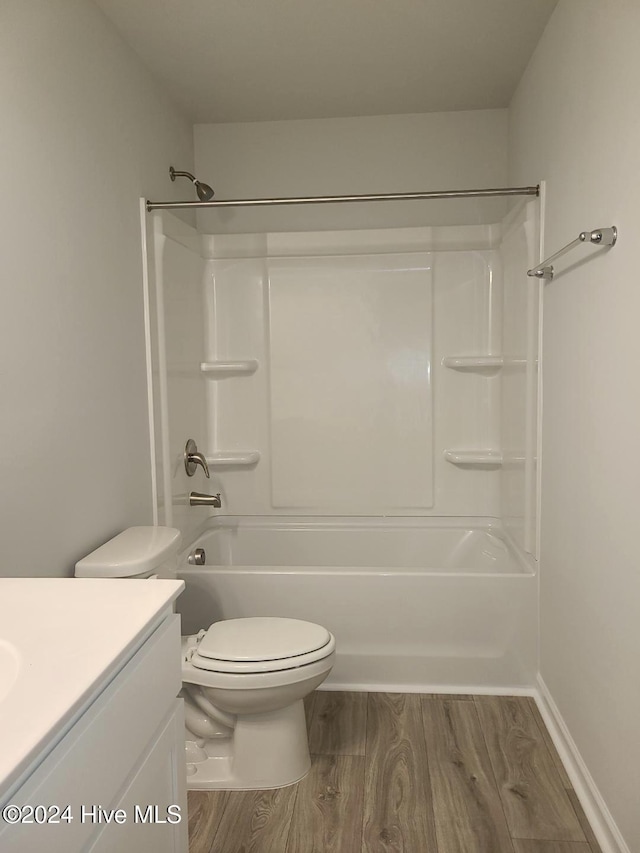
x: 137, y: 552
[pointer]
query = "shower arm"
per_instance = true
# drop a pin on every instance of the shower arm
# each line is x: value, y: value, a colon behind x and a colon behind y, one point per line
x: 173, y: 174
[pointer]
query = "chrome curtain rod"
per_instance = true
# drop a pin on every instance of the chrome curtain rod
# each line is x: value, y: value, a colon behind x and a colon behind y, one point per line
x: 599, y: 237
x: 339, y: 199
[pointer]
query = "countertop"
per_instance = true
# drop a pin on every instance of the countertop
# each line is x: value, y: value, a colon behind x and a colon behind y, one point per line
x: 61, y: 641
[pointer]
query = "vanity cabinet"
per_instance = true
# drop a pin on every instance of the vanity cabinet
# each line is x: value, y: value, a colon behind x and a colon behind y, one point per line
x: 119, y: 768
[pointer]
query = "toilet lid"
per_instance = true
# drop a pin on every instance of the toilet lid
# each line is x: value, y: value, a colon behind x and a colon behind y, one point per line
x: 261, y: 638
x: 261, y: 644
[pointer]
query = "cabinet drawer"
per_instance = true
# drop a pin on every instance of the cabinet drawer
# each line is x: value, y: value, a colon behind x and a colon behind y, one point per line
x: 91, y: 763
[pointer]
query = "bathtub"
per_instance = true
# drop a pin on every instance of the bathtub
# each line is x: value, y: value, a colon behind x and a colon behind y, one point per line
x: 415, y: 604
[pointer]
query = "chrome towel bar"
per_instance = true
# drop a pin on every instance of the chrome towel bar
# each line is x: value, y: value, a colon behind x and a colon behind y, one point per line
x: 599, y: 237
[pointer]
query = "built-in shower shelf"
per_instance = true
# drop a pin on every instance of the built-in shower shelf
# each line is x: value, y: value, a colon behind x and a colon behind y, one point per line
x: 232, y: 458
x: 474, y: 458
x: 478, y: 363
x: 220, y: 369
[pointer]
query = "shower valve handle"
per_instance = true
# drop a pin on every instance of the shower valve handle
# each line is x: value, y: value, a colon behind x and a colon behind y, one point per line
x: 192, y: 459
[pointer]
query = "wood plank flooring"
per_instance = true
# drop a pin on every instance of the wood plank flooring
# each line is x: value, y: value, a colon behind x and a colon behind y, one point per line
x: 408, y: 773
x: 469, y: 814
x: 398, y: 806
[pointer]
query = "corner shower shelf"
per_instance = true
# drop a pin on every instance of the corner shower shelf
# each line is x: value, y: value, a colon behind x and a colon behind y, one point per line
x: 474, y: 458
x: 220, y: 369
x: 229, y: 458
x: 479, y: 363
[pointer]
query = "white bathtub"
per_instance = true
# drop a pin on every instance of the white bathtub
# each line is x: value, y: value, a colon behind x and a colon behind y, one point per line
x: 415, y: 604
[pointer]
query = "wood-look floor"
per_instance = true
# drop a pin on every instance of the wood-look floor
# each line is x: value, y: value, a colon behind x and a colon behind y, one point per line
x: 408, y: 773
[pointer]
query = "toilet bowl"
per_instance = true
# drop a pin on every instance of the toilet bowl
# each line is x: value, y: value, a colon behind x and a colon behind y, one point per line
x: 244, y: 680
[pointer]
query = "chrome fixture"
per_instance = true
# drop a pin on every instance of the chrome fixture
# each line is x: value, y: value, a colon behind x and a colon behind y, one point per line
x: 205, y: 193
x: 192, y: 459
x: 198, y: 499
x: 332, y: 199
x: 197, y: 557
x: 599, y: 237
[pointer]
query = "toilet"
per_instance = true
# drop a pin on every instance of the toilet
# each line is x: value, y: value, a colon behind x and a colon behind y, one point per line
x: 244, y: 680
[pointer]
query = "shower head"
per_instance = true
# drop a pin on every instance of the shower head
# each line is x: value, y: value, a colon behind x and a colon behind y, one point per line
x: 204, y: 191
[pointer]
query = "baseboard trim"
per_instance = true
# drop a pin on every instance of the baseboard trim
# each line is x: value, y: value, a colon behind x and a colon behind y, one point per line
x: 601, y: 820
x: 449, y: 689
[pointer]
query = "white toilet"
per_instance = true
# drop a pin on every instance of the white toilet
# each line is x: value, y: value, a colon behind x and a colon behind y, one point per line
x: 243, y: 679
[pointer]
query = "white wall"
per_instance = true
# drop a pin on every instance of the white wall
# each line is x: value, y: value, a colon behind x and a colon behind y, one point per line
x: 85, y: 132
x: 575, y: 122
x: 402, y: 153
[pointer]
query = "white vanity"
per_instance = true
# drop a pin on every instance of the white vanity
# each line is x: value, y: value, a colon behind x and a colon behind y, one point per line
x: 91, y: 731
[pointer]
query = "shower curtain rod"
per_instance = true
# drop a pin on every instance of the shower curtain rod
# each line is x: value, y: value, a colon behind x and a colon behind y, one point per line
x: 332, y: 199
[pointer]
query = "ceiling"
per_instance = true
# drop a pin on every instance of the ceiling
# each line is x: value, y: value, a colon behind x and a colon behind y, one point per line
x: 257, y: 60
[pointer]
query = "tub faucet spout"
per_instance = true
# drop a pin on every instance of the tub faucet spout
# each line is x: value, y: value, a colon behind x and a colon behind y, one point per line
x: 198, y: 499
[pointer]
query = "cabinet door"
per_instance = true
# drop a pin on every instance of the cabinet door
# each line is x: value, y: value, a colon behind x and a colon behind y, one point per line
x: 159, y: 782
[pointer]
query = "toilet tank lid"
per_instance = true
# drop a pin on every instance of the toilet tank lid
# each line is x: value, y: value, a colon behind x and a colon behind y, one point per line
x: 135, y: 551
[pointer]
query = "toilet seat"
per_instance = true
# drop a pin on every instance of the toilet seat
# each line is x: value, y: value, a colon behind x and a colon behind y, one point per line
x: 257, y: 645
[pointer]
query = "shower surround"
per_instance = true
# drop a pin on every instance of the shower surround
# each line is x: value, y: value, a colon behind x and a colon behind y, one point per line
x: 367, y: 403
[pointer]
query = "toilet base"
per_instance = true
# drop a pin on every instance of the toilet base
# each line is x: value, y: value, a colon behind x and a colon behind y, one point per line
x: 265, y: 751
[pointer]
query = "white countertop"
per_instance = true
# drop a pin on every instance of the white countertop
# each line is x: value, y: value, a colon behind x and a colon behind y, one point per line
x: 61, y: 640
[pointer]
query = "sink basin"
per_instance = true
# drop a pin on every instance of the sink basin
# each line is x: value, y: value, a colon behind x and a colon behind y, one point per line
x: 9, y: 667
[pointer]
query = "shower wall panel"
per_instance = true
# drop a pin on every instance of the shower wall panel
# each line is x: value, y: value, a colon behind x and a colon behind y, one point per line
x: 389, y: 372
x: 350, y: 342
x: 328, y: 423
x: 177, y: 330
x: 519, y: 411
